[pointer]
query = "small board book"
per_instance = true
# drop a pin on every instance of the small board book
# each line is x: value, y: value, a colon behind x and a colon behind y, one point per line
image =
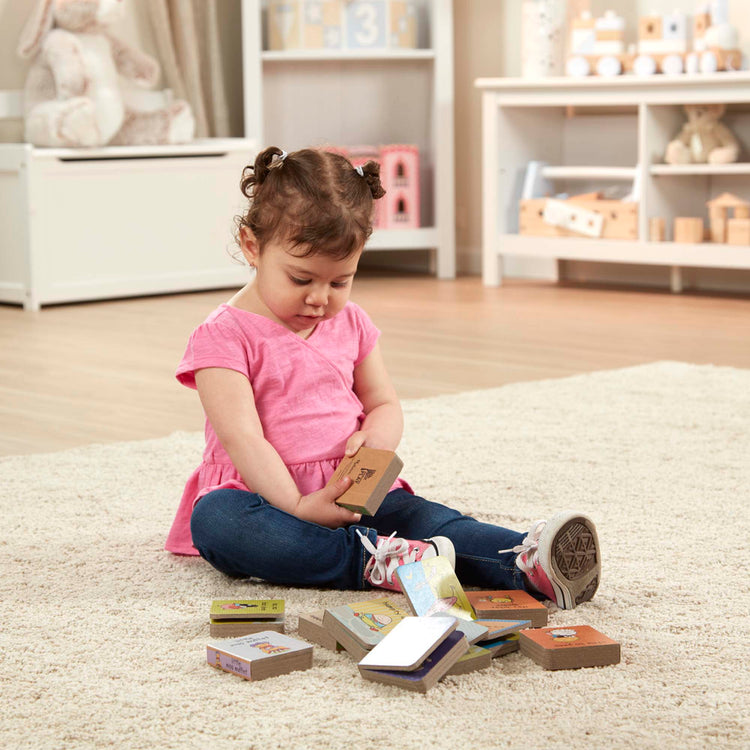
x: 431, y: 588
x: 360, y: 626
x: 474, y: 659
x: 501, y: 646
x: 409, y: 643
x: 311, y: 629
x: 231, y: 618
x: 260, y: 655
x: 373, y: 473
x: 569, y: 647
x: 508, y: 605
x: 434, y: 667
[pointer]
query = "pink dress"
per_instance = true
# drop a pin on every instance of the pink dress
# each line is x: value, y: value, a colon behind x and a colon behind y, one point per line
x: 303, y: 393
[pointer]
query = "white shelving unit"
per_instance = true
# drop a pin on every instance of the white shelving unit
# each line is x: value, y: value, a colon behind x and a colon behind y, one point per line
x: 598, y: 131
x: 300, y: 98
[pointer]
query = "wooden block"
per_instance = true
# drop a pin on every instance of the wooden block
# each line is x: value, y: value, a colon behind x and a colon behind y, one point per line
x: 365, y: 24
x: 373, y: 473
x: 688, y: 229
x: 657, y: 229
x: 403, y: 24
x: 742, y: 212
x: 650, y: 27
x: 283, y: 24
x: 738, y: 232
x: 718, y: 228
x: 321, y: 24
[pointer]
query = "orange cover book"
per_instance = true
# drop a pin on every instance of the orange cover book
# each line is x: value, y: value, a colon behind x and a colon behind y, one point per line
x: 569, y: 647
x: 508, y: 605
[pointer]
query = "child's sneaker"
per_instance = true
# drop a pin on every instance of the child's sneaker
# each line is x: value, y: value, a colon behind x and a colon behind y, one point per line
x: 392, y: 551
x: 560, y: 558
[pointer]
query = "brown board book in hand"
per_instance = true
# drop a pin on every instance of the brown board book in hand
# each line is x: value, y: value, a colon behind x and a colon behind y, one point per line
x: 513, y: 604
x: 569, y: 647
x: 373, y: 473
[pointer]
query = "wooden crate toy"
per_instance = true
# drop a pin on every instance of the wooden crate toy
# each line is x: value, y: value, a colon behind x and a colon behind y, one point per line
x: 618, y: 220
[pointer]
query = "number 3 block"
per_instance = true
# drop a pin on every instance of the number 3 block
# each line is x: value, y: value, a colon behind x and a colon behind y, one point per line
x: 366, y: 24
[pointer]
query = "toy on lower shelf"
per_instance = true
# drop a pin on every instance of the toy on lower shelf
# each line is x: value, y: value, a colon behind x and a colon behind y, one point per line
x: 579, y: 216
x: 734, y: 229
x: 688, y: 229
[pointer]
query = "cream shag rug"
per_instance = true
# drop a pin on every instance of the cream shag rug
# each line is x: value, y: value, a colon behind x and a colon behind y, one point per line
x: 103, y: 632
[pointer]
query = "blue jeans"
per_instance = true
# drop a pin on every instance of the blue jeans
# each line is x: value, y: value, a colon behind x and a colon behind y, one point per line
x: 243, y: 535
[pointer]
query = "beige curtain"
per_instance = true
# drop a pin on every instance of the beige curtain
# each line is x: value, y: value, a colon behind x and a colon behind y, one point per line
x: 187, y: 37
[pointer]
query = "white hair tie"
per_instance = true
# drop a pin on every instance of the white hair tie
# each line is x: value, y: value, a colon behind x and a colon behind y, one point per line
x: 282, y: 155
x: 359, y: 171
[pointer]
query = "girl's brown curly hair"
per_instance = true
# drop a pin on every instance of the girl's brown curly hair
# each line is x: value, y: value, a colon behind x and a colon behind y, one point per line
x: 312, y: 198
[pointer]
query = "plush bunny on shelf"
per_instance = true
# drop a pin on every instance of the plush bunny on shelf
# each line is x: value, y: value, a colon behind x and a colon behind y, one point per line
x: 81, y: 90
x: 703, y: 138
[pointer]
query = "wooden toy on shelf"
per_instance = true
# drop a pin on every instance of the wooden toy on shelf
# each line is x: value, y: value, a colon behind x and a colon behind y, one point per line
x: 579, y: 217
x: 688, y: 229
x: 721, y: 224
x: 336, y: 24
x: 657, y: 229
x: 598, y: 45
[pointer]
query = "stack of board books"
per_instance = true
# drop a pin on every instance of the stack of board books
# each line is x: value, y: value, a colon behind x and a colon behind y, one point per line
x: 231, y: 618
x: 373, y: 472
x: 417, y: 653
x: 510, y: 604
x: 260, y: 655
x: 359, y: 627
x: 569, y: 647
x: 432, y: 589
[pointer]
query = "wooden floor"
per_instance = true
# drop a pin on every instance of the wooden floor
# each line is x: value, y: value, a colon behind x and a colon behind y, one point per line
x: 98, y: 372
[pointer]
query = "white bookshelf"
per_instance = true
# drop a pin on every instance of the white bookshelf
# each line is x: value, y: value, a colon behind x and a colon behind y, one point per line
x: 302, y: 97
x: 595, y: 132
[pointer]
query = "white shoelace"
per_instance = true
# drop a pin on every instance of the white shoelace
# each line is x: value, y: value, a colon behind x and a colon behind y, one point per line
x: 385, y: 557
x: 529, y: 545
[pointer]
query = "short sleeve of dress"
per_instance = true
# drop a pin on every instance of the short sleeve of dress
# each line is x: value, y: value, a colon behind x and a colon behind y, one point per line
x: 213, y: 344
x: 367, y: 332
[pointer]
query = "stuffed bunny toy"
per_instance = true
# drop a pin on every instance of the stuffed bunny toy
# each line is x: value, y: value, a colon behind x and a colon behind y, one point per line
x: 79, y: 90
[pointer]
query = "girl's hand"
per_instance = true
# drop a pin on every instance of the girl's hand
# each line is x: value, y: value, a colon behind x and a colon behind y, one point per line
x: 320, y: 507
x: 355, y: 442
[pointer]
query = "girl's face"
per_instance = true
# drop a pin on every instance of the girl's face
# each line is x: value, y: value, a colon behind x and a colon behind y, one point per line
x: 297, y: 292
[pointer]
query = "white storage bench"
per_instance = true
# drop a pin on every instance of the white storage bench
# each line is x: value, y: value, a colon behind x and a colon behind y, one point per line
x: 85, y: 224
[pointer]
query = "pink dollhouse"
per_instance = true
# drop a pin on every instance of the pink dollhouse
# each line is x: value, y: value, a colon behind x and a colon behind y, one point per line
x: 399, y: 173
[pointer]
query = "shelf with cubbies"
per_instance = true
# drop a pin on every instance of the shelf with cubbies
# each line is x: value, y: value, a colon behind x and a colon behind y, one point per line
x: 353, y: 96
x: 598, y: 134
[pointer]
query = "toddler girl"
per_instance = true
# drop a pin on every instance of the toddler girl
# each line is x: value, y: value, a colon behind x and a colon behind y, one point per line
x: 291, y: 378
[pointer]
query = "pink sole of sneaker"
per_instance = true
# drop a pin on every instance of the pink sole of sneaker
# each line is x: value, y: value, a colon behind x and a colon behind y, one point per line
x: 574, y: 563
